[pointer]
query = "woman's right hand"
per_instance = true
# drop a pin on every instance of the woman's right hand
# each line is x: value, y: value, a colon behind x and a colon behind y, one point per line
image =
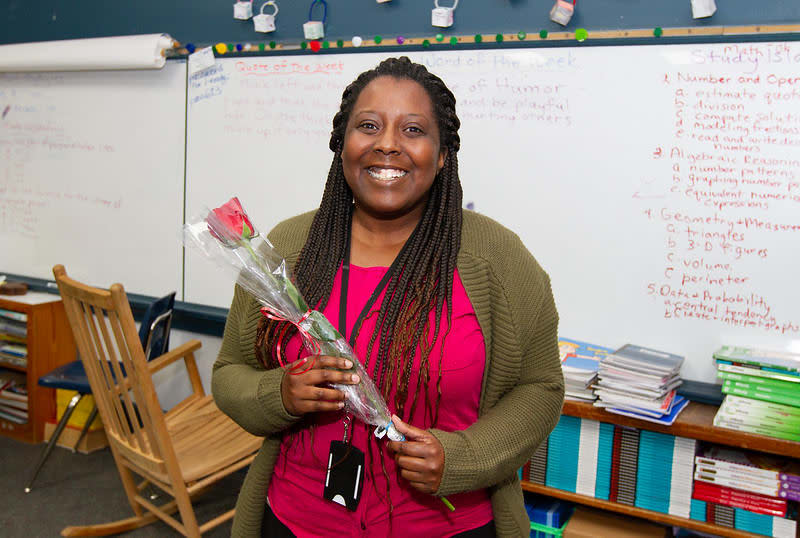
x: 307, y: 392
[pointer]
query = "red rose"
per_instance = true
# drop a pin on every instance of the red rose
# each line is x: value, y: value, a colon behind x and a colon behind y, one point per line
x: 230, y: 224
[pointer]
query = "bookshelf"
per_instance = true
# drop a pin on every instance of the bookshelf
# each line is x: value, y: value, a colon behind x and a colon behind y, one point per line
x: 696, y: 422
x: 49, y: 343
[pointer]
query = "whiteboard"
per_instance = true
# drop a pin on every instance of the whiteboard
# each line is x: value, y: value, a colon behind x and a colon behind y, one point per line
x: 91, y: 176
x: 659, y: 186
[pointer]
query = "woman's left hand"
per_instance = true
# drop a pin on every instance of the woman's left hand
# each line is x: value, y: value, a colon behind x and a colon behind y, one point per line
x: 420, y: 457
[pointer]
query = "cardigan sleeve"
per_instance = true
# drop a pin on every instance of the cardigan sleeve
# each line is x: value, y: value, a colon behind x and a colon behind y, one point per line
x: 525, y: 347
x: 242, y: 389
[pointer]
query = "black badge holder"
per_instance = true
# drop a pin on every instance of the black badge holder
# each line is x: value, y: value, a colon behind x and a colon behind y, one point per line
x: 344, y: 480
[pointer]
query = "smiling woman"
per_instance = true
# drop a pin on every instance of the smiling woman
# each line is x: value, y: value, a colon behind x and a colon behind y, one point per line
x: 452, y: 317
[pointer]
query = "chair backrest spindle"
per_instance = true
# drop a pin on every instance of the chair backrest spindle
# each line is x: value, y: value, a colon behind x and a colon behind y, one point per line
x: 114, y: 359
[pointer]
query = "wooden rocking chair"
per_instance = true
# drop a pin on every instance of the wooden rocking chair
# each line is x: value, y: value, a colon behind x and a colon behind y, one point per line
x: 182, y: 451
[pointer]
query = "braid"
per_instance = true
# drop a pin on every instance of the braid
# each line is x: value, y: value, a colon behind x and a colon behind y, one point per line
x: 423, y: 283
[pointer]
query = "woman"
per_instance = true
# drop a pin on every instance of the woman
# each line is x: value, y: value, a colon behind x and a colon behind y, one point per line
x: 452, y: 316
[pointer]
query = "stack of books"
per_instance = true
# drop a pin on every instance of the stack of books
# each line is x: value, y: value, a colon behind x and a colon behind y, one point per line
x: 577, y: 457
x: 641, y: 382
x: 13, y: 397
x: 664, y: 474
x: 13, y: 332
x: 580, y: 362
x: 748, y: 489
x: 617, y: 463
x: 762, y: 391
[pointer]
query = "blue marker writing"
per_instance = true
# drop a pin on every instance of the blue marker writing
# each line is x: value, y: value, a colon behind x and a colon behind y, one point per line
x: 5, y: 111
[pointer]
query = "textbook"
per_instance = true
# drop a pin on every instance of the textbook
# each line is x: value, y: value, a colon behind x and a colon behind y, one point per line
x: 757, y: 408
x: 746, y: 462
x: 760, y: 504
x: 679, y: 403
x: 722, y: 422
x: 10, y: 314
x: 646, y: 359
x: 784, y: 360
x: 778, y: 384
x: 791, y: 392
x: 758, y: 394
x: 13, y: 328
x: 773, y: 424
x: 580, y: 357
x: 757, y: 371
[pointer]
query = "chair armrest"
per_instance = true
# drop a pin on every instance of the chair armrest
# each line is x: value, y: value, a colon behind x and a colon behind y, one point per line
x: 169, y: 357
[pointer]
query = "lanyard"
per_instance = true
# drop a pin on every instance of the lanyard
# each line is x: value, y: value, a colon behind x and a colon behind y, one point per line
x: 374, y: 297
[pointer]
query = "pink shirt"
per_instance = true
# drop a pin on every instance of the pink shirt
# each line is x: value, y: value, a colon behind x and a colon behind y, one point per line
x: 295, y: 492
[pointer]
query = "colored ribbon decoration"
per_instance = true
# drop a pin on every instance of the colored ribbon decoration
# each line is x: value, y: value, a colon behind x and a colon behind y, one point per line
x: 307, y: 338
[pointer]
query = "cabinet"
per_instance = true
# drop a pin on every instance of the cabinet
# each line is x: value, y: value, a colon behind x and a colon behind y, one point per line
x: 696, y: 422
x: 49, y: 343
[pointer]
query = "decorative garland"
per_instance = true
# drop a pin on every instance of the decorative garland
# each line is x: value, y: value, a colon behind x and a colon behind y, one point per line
x: 580, y: 35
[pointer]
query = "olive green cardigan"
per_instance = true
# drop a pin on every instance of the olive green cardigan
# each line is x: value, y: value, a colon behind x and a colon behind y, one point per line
x: 522, y: 391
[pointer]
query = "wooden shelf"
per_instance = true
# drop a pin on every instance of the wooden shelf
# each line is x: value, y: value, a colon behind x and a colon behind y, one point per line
x: 633, y: 511
x: 50, y: 344
x: 695, y: 422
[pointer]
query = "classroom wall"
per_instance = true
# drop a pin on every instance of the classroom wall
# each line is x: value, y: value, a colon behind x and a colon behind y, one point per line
x: 211, y: 21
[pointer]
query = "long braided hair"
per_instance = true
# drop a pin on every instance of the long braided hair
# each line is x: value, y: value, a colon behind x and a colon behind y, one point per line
x: 424, y: 280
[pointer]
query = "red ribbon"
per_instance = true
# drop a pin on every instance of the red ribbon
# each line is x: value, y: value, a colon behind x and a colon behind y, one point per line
x: 316, y: 350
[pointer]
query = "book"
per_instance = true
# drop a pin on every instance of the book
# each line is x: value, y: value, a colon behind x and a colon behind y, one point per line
x: 619, y: 399
x: 5, y: 337
x: 666, y: 419
x: 748, y: 462
x: 745, y: 484
x: 12, y: 418
x: 588, y: 445
x: 18, y: 404
x: 15, y: 350
x: 645, y: 359
x: 13, y: 328
x: 736, y: 479
x: 615, y: 450
x: 628, y: 466
x: 778, y: 527
x: 21, y: 414
x: 784, y: 360
x: 777, y: 425
x: 13, y: 360
x: 643, y: 378
x: 751, y: 380
x: 746, y: 500
x: 580, y: 357
x: 742, y: 386
x: 755, y: 371
x: 791, y: 392
x: 16, y: 316
x: 758, y: 415
x: 8, y: 394
x: 721, y: 422
x: 761, y: 407
x: 538, y: 465
x: 729, y: 387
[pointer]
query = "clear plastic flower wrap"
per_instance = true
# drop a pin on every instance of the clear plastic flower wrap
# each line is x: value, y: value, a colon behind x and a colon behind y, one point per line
x: 227, y: 236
